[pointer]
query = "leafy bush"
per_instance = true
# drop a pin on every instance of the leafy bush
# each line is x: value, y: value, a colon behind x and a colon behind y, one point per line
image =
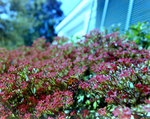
x: 114, y: 79
x: 140, y: 33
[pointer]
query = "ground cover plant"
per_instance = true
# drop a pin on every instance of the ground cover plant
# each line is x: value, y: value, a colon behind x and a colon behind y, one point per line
x: 102, y: 76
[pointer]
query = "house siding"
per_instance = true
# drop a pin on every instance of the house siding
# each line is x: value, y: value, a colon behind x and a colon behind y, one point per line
x: 91, y: 14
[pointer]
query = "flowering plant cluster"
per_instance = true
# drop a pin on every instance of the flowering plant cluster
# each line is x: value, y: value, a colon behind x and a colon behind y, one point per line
x: 114, y: 79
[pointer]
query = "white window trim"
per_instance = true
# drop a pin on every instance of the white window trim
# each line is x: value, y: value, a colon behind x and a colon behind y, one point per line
x: 104, y: 14
x: 75, y: 13
x: 129, y: 14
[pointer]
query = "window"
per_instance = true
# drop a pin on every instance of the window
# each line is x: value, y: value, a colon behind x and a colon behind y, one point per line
x: 140, y: 11
x: 116, y: 13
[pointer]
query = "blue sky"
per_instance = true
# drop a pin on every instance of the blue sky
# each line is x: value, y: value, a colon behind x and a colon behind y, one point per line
x: 68, y: 5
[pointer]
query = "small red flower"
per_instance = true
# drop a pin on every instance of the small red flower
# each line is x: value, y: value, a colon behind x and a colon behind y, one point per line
x: 144, y: 69
x: 147, y: 101
x: 72, y: 113
x: 101, y: 111
x: 85, y: 113
x: 139, y: 86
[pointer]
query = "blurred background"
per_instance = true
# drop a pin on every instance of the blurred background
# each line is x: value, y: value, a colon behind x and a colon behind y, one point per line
x: 91, y: 14
x: 23, y: 21
x: 128, y: 17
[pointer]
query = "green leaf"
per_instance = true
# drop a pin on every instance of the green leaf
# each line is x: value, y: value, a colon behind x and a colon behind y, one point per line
x: 77, y: 37
x: 34, y: 89
x: 131, y: 85
x: 148, y: 36
x: 88, y: 102
x: 137, y: 41
x: 27, y: 79
x: 95, y: 105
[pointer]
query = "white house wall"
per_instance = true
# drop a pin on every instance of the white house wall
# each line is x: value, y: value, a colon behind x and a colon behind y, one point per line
x: 76, y: 23
x: 88, y: 16
x: 74, y: 26
x: 92, y: 17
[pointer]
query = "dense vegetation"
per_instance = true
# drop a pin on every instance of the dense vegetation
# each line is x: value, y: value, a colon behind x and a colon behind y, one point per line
x: 114, y: 77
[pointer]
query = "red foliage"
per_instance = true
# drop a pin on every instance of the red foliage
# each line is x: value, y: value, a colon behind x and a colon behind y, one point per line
x: 33, y: 80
